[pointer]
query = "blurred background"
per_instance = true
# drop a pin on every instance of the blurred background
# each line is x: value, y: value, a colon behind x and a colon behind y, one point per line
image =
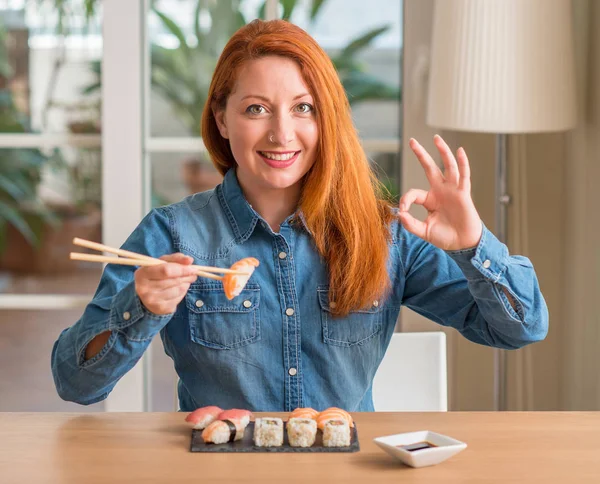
x: 100, y: 103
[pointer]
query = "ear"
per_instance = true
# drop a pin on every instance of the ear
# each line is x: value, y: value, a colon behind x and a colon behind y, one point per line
x: 220, y: 119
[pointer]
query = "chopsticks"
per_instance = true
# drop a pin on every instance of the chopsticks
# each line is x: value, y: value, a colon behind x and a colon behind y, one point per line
x: 133, y: 259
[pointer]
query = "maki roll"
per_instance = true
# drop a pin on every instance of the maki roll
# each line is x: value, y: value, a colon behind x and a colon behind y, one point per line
x: 268, y: 432
x: 301, y: 432
x: 336, y: 433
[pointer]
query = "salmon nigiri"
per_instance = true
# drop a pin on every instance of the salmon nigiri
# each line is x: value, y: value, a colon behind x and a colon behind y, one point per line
x: 333, y: 413
x: 203, y: 417
x: 222, y: 431
x: 233, y: 284
x: 243, y: 416
x: 310, y: 413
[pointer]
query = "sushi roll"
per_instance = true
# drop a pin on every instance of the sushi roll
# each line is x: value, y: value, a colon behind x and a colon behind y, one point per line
x: 268, y: 432
x: 333, y: 413
x: 236, y: 414
x: 304, y: 413
x: 301, y: 431
x: 222, y: 431
x: 203, y: 417
x: 336, y: 433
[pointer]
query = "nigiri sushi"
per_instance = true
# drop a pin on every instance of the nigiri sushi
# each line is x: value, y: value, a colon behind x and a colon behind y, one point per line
x: 233, y: 284
x: 222, y: 431
x: 203, y: 417
x: 333, y: 413
x: 236, y: 414
x: 304, y: 413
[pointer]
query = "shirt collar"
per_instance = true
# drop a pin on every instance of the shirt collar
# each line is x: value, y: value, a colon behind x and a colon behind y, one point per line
x: 242, y: 217
x: 240, y: 214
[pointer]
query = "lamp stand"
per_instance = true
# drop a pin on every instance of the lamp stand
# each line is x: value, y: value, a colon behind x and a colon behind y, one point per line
x: 502, y: 201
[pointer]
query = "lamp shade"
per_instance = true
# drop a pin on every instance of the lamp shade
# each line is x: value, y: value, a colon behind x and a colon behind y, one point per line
x: 502, y: 66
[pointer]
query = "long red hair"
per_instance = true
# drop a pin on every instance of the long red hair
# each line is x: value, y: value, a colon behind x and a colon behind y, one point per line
x: 342, y: 201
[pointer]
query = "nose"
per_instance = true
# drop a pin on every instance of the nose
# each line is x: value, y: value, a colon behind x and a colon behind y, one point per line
x: 282, y: 130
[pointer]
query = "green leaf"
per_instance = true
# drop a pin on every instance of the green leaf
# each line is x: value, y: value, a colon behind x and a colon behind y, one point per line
x: 360, y: 86
x: 172, y: 27
x: 13, y: 217
x: 315, y: 8
x: 363, y: 41
x: 288, y: 8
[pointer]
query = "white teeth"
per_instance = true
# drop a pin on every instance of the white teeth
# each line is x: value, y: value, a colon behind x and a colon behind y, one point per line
x: 272, y: 156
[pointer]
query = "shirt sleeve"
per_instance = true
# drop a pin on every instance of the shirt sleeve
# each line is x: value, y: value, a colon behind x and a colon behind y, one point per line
x: 467, y: 289
x: 115, y: 308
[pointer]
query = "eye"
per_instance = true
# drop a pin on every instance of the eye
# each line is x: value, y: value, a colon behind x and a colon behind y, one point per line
x: 255, y: 109
x: 304, y: 108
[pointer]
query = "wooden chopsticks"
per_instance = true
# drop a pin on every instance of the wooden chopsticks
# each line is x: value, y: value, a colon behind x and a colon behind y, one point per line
x: 133, y: 259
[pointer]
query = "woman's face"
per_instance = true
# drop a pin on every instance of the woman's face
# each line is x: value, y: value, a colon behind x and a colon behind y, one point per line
x: 270, y: 123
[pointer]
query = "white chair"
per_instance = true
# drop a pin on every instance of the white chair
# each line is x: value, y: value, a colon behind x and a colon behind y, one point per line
x: 413, y: 375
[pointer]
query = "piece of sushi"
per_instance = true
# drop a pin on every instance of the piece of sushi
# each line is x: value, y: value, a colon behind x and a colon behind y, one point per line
x: 333, y: 413
x: 336, y: 433
x: 233, y: 284
x: 203, y: 417
x: 222, y: 431
x: 302, y: 432
x: 236, y: 414
x: 304, y: 413
x: 268, y: 432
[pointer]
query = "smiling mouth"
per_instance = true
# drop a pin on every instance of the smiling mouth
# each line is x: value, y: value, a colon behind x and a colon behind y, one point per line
x: 278, y: 156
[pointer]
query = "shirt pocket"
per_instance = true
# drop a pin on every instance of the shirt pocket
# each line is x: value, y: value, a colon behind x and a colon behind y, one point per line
x: 217, y: 322
x: 356, y: 328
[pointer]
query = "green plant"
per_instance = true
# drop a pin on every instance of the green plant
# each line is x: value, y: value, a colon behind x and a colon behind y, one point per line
x: 182, y: 75
x: 20, y: 169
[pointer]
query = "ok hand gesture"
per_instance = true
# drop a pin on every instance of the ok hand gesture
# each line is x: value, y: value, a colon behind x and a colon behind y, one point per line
x: 452, y: 222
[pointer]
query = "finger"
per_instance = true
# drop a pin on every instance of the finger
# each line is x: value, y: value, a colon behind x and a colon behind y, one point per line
x: 178, y: 257
x: 450, y: 166
x: 169, y: 270
x: 165, y: 298
x: 464, y: 182
x: 413, y: 225
x: 433, y: 173
x: 165, y: 284
x: 414, y: 195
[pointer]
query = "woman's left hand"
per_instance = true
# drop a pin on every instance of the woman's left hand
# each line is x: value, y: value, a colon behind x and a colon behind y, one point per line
x: 452, y: 222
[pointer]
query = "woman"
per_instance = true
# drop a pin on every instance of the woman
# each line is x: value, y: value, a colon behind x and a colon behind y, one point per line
x: 336, y: 260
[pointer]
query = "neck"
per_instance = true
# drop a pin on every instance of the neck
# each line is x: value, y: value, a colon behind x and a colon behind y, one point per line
x: 273, y: 205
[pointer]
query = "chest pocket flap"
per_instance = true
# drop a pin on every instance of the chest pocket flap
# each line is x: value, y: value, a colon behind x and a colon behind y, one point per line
x: 220, y: 323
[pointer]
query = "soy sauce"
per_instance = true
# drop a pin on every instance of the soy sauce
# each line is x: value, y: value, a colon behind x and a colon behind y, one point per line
x: 417, y: 446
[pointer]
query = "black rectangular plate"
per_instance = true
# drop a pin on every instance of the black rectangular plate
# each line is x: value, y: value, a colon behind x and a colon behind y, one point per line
x: 247, y: 443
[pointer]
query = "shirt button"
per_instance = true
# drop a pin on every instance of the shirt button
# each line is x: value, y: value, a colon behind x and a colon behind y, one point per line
x: 332, y: 304
x: 199, y: 303
x: 282, y: 255
x: 292, y: 371
x: 247, y: 303
x: 289, y: 311
x: 126, y: 315
x: 486, y: 264
x: 376, y: 303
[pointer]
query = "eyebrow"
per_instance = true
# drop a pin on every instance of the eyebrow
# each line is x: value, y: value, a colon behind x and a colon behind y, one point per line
x: 268, y: 100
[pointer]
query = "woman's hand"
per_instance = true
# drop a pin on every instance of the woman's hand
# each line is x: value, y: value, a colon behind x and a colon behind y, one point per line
x: 452, y: 222
x: 162, y: 287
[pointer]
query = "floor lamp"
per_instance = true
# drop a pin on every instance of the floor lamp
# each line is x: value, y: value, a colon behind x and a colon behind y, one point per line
x: 502, y: 67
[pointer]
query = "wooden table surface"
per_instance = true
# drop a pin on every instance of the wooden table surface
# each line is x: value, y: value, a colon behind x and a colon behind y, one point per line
x: 507, y: 447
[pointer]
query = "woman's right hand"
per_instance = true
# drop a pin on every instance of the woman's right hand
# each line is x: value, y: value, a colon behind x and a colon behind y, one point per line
x: 162, y: 287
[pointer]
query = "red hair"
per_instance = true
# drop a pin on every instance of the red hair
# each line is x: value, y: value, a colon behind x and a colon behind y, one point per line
x: 342, y: 200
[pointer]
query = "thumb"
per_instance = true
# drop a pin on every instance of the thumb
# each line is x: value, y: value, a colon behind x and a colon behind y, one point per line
x: 413, y: 225
x: 178, y: 258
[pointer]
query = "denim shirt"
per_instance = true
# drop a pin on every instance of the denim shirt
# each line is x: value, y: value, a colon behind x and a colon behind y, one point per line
x: 277, y: 346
